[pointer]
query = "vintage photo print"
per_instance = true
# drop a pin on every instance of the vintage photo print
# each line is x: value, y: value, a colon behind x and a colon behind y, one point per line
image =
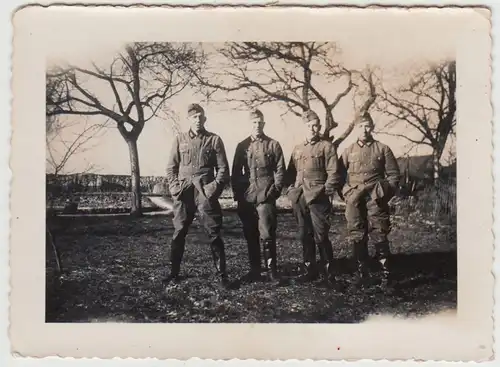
x: 265, y: 183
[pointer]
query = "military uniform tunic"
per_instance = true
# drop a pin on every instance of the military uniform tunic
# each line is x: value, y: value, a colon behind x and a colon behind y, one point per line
x: 197, y: 172
x: 257, y: 181
x: 371, y: 175
x: 312, y: 174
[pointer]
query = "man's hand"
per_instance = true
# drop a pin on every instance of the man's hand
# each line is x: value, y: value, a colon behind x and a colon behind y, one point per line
x: 341, y: 195
x: 213, y: 190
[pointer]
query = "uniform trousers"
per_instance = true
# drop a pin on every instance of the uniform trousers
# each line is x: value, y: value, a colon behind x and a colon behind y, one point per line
x: 367, y: 216
x: 210, y: 213
x: 313, y: 220
x: 259, y: 227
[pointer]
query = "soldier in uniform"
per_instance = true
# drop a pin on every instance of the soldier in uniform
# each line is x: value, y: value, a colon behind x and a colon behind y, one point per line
x: 371, y: 175
x: 257, y: 181
x: 312, y: 172
x: 194, y: 157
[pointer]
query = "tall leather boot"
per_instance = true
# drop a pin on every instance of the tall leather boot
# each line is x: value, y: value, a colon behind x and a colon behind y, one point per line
x: 270, y: 260
x: 254, y: 258
x: 361, y: 258
x: 254, y: 273
x: 383, y: 253
x: 327, y: 277
x: 176, y: 254
x: 311, y: 273
x: 385, y: 272
x: 219, y: 258
x: 309, y: 256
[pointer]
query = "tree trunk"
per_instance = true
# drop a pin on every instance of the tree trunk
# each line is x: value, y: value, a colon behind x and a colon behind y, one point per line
x: 135, y: 174
x: 344, y: 135
x: 435, y: 166
x: 330, y: 124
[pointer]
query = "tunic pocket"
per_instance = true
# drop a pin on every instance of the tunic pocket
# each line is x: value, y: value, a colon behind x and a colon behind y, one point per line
x: 185, y: 154
x: 206, y: 155
x: 377, y: 161
x: 316, y: 161
x: 355, y: 164
x: 268, y: 159
x: 259, y: 159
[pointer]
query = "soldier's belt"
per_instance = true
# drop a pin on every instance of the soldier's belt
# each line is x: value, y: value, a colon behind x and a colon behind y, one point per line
x: 262, y: 177
x: 204, y: 177
x: 363, y: 179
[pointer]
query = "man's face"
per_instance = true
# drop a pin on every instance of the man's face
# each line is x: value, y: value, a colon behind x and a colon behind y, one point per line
x: 257, y: 126
x: 197, y: 121
x: 364, y: 130
x: 312, y: 129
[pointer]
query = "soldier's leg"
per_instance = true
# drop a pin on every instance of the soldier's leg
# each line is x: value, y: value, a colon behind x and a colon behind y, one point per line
x: 184, y: 212
x: 357, y: 227
x: 211, y: 217
x: 249, y: 219
x: 267, y: 230
x: 306, y: 236
x: 320, y: 215
x: 379, y: 217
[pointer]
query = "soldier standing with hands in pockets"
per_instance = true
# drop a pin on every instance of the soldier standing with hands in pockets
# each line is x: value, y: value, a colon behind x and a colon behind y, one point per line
x: 372, y: 175
x: 194, y: 157
x: 312, y: 174
x: 257, y: 180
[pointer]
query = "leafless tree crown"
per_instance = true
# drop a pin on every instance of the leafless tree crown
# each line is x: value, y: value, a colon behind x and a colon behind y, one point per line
x: 292, y: 73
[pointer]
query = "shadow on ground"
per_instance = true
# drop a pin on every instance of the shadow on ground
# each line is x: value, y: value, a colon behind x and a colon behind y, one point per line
x: 114, y: 268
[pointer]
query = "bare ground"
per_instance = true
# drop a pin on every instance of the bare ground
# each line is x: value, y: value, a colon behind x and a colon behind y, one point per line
x: 114, y: 267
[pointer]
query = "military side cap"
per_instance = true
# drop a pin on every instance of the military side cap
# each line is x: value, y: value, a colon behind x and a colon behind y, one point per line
x: 194, y: 108
x: 366, y: 117
x: 256, y: 114
x: 309, y: 115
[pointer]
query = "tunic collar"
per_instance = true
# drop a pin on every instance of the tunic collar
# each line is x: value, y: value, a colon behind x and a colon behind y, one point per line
x: 367, y: 143
x: 312, y: 141
x: 257, y: 137
x: 193, y: 134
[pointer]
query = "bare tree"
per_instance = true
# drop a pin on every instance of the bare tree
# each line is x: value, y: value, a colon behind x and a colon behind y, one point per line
x: 140, y: 81
x: 65, y: 140
x: 426, y: 105
x: 292, y: 73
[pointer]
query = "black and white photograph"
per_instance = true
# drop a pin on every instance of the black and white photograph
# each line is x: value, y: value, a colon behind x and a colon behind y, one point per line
x: 257, y: 180
x: 253, y: 182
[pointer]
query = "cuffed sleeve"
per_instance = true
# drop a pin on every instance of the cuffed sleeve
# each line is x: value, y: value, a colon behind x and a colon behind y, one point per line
x: 236, y: 172
x: 222, y: 168
x: 332, y: 169
x: 291, y: 172
x: 279, y: 175
x: 391, y: 168
x: 172, y: 170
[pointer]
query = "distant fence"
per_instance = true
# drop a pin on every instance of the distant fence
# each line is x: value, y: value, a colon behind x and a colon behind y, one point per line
x: 88, y: 184
x: 88, y: 191
x: 96, y: 183
x: 416, y: 175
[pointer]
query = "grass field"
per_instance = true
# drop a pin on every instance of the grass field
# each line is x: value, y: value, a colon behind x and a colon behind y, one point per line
x: 115, y: 265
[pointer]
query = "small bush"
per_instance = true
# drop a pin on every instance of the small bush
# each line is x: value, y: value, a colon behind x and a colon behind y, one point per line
x: 438, y: 202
